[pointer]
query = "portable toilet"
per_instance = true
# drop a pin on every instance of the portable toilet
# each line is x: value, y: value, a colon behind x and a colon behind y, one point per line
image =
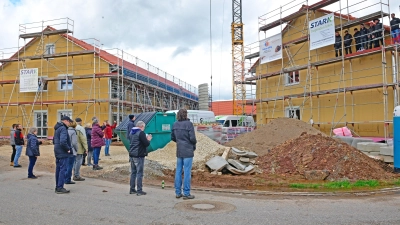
x: 396, y: 139
x: 158, y: 124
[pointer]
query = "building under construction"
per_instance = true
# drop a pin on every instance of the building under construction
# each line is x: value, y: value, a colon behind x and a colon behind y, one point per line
x: 78, y: 78
x: 358, y: 90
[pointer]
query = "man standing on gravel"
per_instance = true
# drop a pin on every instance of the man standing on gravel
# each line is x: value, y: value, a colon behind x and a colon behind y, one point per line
x: 184, y: 136
x: 19, y: 144
x: 12, y: 143
x: 62, y: 152
x: 139, y: 142
x: 130, y: 125
x: 82, y: 149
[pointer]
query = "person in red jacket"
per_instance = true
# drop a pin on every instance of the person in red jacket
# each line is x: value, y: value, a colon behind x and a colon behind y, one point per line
x: 108, y: 133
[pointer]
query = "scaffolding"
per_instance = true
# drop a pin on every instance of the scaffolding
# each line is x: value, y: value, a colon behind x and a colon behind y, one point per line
x: 77, y: 78
x: 302, y: 76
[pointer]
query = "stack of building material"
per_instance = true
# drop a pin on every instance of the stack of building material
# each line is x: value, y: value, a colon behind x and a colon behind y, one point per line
x: 386, y: 152
x: 239, y: 163
x: 379, y: 151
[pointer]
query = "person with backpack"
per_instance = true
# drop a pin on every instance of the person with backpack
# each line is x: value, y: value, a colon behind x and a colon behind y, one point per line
x: 19, y: 144
x: 32, y: 150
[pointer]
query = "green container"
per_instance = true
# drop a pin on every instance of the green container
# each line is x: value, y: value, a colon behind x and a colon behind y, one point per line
x: 159, y: 125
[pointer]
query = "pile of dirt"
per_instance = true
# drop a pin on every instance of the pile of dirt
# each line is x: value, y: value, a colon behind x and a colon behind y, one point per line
x: 266, y: 137
x: 309, y: 153
x: 206, y: 148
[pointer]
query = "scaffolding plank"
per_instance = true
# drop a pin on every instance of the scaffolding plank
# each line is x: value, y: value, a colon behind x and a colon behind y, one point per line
x: 297, y: 14
x: 362, y: 19
x: 45, y: 33
x: 46, y: 56
x: 74, y: 77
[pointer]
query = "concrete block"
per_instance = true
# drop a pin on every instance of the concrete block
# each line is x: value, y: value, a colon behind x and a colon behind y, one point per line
x: 373, y: 153
x: 388, y: 150
x: 217, y: 163
x: 361, y: 145
x: 388, y: 159
x: 348, y: 140
x: 358, y: 140
x: 236, y: 164
x: 250, y: 169
x: 374, y: 147
x: 244, y: 159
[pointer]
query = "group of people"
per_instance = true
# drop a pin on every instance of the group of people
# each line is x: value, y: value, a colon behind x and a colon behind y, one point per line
x: 366, y: 38
x: 73, y: 146
x: 183, y: 134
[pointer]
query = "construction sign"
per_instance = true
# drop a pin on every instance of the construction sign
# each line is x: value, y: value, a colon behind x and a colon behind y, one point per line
x: 271, y: 48
x: 28, y: 80
x: 322, y: 31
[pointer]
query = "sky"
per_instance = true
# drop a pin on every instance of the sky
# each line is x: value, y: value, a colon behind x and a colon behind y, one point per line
x: 171, y: 35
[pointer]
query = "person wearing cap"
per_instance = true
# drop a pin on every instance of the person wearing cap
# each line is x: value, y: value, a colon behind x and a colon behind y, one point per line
x: 378, y: 33
x: 395, y: 30
x: 82, y: 149
x: 62, y: 152
x: 357, y: 38
x: 97, y: 142
x: 364, y: 37
x: 348, y: 39
x: 338, y: 44
x: 130, y: 125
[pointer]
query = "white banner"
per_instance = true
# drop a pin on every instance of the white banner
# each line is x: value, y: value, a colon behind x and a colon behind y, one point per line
x: 322, y: 31
x: 28, y: 80
x: 271, y: 48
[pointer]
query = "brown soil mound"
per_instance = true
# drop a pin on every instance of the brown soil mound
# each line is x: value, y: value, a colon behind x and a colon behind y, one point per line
x: 316, y: 152
x: 266, y: 137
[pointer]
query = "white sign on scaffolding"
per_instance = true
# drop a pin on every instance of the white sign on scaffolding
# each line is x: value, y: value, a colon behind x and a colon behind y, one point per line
x: 271, y: 48
x: 322, y: 31
x: 28, y: 80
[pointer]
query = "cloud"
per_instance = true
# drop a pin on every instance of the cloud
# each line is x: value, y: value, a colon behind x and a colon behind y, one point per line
x: 180, y: 50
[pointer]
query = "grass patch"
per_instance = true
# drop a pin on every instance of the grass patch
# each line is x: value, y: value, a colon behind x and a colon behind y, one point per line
x: 366, y: 183
x: 397, y: 182
x: 304, y: 186
x: 338, y: 184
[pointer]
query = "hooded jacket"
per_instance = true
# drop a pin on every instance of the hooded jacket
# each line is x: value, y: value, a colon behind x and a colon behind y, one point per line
x: 19, y: 137
x: 12, y: 140
x: 74, y: 139
x: 82, y: 141
x: 138, y: 143
x: 338, y: 42
x: 61, y: 141
x: 97, y: 136
x: 129, y: 127
x: 357, y: 37
x: 348, y: 39
x: 184, y: 136
x: 32, y: 145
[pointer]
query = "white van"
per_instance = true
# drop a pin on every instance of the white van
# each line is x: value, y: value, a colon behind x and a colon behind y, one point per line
x: 235, y: 121
x: 198, y: 116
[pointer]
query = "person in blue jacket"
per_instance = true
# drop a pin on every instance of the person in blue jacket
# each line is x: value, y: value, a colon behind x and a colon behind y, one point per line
x: 32, y: 150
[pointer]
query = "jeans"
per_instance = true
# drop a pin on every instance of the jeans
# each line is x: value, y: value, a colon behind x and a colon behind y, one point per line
x: 96, y: 155
x: 70, y: 165
x: 107, y: 149
x: 61, y: 169
x: 78, y: 164
x: 137, y: 165
x: 17, y: 154
x: 13, y: 153
x: 89, y: 157
x: 32, y: 162
x: 186, y: 165
x: 396, y: 36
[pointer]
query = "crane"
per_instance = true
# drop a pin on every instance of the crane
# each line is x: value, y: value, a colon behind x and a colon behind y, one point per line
x: 239, y: 89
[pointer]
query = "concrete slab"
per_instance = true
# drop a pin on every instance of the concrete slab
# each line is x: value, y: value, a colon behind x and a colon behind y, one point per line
x: 348, y: 140
x: 374, y: 147
x: 388, y: 159
x: 358, y: 140
x: 250, y: 169
x: 236, y: 164
x: 217, y: 163
x: 361, y: 145
x: 226, y: 153
x: 388, y: 151
x: 238, y: 152
x: 373, y: 153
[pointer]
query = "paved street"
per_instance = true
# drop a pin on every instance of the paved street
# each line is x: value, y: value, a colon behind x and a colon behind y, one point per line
x: 26, y: 201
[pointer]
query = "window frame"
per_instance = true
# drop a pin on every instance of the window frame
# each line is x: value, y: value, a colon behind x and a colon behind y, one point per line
x: 289, y: 76
x: 60, y: 83
x: 48, y: 50
x: 288, y: 109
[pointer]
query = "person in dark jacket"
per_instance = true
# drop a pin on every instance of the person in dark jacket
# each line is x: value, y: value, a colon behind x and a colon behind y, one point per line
x: 348, y: 39
x: 357, y: 38
x: 139, y: 142
x: 19, y: 144
x: 97, y: 142
x: 62, y: 152
x: 378, y: 33
x: 395, y: 30
x: 184, y: 136
x: 338, y: 44
x: 364, y: 37
x: 88, y: 130
x: 12, y: 143
x: 32, y: 150
x: 371, y: 35
x: 130, y: 125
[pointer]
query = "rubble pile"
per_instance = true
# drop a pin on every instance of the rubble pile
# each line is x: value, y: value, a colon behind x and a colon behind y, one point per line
x: 316, y: 157
x: 266, y: 137
x: 233, y: 160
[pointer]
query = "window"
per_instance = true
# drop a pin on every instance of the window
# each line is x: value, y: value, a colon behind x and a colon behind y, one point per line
x: 293, y: 112
x: 292, y: 78
x: 64, y: 84
x: 234, y: 123
x: 42, y: 81
x: 50, y: 49
x: 62, y: 113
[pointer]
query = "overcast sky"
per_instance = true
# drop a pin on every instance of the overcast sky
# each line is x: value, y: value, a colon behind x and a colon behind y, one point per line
x: 172, y: 35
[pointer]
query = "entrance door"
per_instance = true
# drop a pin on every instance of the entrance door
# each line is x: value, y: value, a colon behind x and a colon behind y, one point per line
x: 41, y: 123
